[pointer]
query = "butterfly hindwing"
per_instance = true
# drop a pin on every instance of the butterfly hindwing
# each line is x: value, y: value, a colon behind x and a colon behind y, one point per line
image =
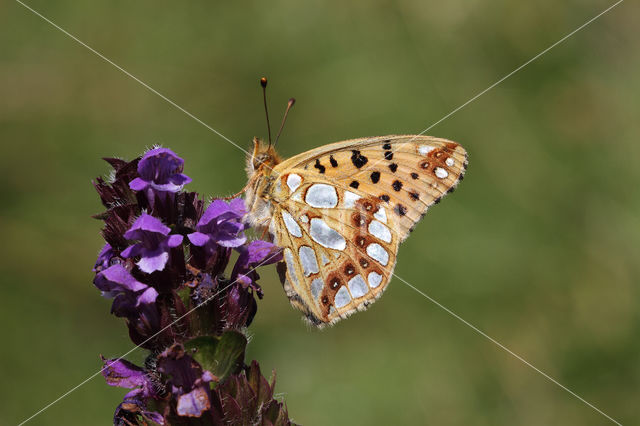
x: 339, y: 247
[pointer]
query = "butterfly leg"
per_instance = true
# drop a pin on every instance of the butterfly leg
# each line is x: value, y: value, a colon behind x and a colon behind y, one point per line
x: 264, y: 233
x: 242, y: 191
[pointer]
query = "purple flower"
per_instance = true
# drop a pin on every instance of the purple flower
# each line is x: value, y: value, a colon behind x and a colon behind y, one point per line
x: 160, y: 169
x: 122, y: 373
x: 128, y: 293
x: 130, y: 409
x: 220, y: 225
x: 104, y: 257
x: 253, y: 255
x: 194, y: 403
x: 189, y: 382
x: 239, y: 307
x: 154, y: 244
x: 145, y: 323
x: 147, y: 214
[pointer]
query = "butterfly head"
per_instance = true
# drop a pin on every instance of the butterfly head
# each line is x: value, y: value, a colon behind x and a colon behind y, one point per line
x: 263, y: 159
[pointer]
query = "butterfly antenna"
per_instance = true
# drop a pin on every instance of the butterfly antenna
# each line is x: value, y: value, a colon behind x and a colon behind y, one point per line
x: 263, y: 83
x: 284, y: 119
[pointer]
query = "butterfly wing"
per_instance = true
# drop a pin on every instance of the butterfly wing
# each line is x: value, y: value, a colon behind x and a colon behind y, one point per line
x: 341, y: 211
x: 410, y: 173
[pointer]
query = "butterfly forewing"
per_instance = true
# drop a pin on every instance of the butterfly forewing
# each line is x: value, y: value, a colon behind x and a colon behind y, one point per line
x: 341, y: 211
x: 397, y: 168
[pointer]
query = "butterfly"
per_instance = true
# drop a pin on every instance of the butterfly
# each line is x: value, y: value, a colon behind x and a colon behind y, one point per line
x: 340, y: 212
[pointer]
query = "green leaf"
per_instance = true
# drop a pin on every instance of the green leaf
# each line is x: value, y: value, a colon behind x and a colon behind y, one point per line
x: 203, y: 350
x: 222, y: 355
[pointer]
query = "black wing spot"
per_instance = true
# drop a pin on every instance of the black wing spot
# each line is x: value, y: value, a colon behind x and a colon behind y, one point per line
x: 393, y: 167
x: 333, y: 161
x: 414, y: 175
x: 355, y: 184
x: 319, y: 166
x: 375, y: 177
x: 414, y: 195
x: 401, y: 210
x: 388, y: 155
x: 386, y: 145
x: 358, y: 159
x: 397, y: 185
x: 385, y: 197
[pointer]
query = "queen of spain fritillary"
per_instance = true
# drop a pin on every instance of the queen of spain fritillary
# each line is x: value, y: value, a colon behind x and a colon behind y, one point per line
x: 340, y: 212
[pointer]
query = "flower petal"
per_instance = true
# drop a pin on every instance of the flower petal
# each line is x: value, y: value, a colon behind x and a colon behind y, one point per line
x: 238, y: 206
x: 122, y: 373
x: 132, y: 251
x: 138, y: 184
x: 198, y: 239
x: 180, y: 179
x: 194, y: 403
x: 147, y: 296
x: 131, y: 407
x: 104, y: 257
x: 166, y: 187
x: 159, y: 164
x: 117, y: 278
x: 227, y: 241
x: 147, y: 223
x: 215, y: 209
x: 151, y: 264
x: 262, y: 251
x: 174, y: 240
x: 154, y: 417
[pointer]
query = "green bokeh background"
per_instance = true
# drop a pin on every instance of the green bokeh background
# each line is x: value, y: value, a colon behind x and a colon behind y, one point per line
x: 539, y: 247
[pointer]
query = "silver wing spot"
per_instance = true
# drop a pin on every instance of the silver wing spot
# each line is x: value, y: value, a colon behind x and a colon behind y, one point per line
x: 291, y: 224
x: 321, y: 195
x: 378, y: 253
x: 308, y: 260
x: 327, y: 237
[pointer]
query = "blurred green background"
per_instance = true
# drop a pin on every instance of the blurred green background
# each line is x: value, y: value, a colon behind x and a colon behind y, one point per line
x: 539, y: 247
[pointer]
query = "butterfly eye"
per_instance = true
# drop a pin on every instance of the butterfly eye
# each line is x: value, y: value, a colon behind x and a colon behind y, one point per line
x: 260, y: 159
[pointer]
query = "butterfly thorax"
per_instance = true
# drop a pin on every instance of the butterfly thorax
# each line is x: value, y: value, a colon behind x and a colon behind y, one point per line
x: 261, y: 177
